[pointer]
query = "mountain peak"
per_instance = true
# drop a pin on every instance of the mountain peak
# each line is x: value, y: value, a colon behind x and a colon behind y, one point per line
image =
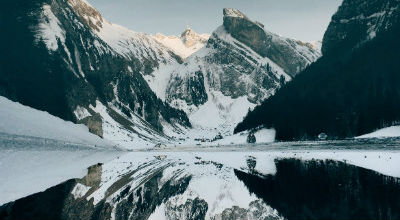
x: 267, y: 44
x: 231, y: 12
x: 190, y: 37
x: 185, y: 45
x: 234, y: 18
x: 188, y: 32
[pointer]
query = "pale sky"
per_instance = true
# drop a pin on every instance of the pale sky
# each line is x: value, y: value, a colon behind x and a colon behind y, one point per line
x: 304, y: 20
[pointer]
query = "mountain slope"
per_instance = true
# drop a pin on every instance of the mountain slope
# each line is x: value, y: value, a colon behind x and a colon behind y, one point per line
x: 16, y: 119
x: 218, y: 84
x: 66, y: 59
x: 350, y: 91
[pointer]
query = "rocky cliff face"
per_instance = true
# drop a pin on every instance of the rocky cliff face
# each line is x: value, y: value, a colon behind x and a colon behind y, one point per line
x: 190, y: 38
x: 291, y: 55
x: 357, y: 22
x: 78, y: 65
x: 228, y: 66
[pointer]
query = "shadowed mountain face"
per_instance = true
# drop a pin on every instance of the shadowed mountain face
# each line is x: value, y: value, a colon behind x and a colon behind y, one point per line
x: 326, y: 190
x: 358, y: 21
x: 352, y: 89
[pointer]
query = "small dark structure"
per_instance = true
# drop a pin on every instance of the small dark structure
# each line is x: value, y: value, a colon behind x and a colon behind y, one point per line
x: 251, y: 138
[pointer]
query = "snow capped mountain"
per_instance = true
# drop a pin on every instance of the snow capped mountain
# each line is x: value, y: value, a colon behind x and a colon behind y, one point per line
x: 234, y: 13
x: 125, y: 42
x: 82, y: 68
x: 122, y: 84
x: 241, y: 65
x: 185, y: 45
x: 190, y: 38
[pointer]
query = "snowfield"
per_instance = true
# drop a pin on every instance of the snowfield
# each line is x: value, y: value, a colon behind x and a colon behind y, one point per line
x: 49, y: 30
x: 393, y: 131
x: 17, y: 119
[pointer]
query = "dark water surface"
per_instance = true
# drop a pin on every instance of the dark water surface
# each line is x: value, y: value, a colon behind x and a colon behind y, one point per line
x: 318, y: 189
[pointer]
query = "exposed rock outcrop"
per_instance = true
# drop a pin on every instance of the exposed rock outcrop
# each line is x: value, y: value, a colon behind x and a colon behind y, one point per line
x: 190, y: 38
x: 94, y: 123
x: 192, y: 209
x: 257, y: 211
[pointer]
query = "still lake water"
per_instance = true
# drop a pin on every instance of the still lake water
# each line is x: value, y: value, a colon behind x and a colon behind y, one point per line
x: 348, y: 179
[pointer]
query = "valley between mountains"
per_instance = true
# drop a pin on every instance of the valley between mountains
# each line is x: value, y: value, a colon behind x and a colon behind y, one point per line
x: 139, y: 90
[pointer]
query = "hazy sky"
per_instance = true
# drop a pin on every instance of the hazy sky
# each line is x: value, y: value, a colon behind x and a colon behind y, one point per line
x: 305, y: 20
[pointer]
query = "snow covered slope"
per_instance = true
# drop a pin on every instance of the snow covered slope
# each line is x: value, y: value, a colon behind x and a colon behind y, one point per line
x: 128, y: 43
x: 17, y: 119
x: 185, y: 45
x: 393, y: 131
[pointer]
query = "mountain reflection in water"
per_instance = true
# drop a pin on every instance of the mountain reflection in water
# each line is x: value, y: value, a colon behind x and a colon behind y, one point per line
x: 318, y: 189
